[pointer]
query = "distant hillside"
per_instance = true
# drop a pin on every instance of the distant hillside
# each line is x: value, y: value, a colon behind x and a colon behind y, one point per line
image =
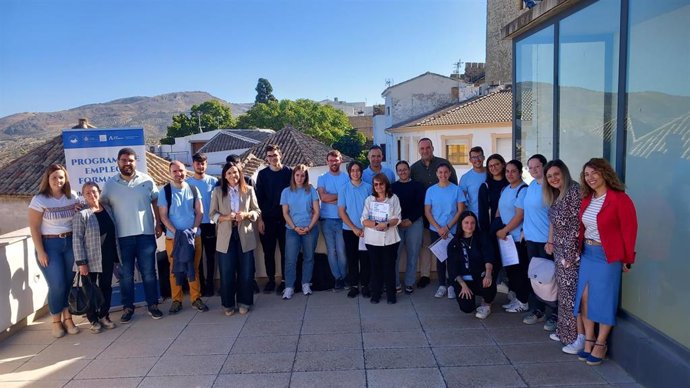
x: 154, y: 114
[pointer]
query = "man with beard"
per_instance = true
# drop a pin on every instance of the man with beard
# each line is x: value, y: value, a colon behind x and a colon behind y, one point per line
x: 133, y: 197
x: 269, y: 185
x: 329, y: 185
x: 205, y: 184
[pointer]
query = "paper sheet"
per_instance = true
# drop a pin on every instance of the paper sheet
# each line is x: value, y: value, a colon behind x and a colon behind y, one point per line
x: 509, y: 254
x: 362, y: 246
x: 440, y: 248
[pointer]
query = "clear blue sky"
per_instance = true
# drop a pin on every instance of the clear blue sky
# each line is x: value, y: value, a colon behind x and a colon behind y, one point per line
x: 57, y: 55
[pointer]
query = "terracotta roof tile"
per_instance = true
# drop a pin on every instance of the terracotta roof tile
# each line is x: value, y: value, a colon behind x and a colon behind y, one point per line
x: 235, y: 140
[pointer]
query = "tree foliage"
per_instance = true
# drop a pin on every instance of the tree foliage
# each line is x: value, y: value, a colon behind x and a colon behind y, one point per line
x: 264, y: 92
x: 322, y: 122
x: 204, y: 117
x: 352, y: 144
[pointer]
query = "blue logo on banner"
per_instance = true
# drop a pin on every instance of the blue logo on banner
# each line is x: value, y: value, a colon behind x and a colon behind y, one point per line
x: 97, y: 137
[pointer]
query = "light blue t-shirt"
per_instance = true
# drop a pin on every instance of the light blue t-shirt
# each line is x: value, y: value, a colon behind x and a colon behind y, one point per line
x: 205, y: 187
x: 444, y: 203
x: 368, y: 175
x: 536, y: 223
x: 131, y: 203
x: 332, y: 184
x: 509, y: 200
x: 352, y: 198
x: 300, y: 205
x: 469, y: 184
x: 181, y: 213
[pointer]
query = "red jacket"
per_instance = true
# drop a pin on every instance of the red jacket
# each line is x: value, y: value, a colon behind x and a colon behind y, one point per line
x: 617, y: 223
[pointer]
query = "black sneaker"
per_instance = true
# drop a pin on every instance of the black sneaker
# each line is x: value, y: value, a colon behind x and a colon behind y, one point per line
x: 200, y: 305
x: 126, y: 315
x: 375, y: 299
x: 409, y: 290
x: 423, y: 282
x: 281, y: 288
x: 354, y: 291
x: 270, y: 287
x: 339, y: 285
x: 154, y: 312
x: 365, y: 292
x: 175, y: 307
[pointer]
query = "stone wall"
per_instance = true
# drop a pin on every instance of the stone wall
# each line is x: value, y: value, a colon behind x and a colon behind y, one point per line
x: 499, y: 52
x: 13, y: 213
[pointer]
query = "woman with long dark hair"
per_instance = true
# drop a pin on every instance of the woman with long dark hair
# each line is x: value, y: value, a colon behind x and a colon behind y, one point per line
x: 50, y: 222
x: 608, y: 232
x: 234, y: 209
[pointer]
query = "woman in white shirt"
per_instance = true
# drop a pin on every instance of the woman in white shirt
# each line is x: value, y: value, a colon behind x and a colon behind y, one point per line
x: 50, y: 222
x: 380, y: 217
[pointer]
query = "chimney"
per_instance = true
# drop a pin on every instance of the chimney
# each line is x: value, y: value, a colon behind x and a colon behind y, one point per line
x: 455, y: 93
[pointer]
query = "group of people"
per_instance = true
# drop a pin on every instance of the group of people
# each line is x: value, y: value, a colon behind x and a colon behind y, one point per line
x: 368, y: 220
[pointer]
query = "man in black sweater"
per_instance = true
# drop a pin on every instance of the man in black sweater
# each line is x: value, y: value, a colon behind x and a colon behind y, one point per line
x: 269, y: 185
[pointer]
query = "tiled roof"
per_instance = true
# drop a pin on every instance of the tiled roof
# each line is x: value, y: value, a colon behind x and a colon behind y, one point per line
x: 22, y: 176
x: 235, y: 140
x: 496, y: 107
x: 296, y: 148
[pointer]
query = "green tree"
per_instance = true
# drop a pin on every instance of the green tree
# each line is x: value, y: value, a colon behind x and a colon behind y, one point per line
x: 264, y: 92
x: 352, y: 144
x: 322, y: 122
x: 204, y: 117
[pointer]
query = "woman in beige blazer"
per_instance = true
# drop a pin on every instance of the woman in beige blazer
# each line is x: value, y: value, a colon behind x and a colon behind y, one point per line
x: 234, y: 209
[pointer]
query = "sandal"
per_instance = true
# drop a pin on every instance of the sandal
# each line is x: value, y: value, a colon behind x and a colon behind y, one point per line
x: 593, y: 360
x: 583, y: 355
x: 71, y: 329
x: 57, y: 330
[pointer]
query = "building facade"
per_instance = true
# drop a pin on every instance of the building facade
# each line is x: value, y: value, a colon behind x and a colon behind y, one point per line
x: 610, y: 78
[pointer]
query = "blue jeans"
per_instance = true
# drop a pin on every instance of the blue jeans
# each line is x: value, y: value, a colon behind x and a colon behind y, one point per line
x: 141, y: 248
x: 293, y: 243
x: 411, y: 240
x: 58, y: 273
x: 236, y: 270
x: 335, y: 245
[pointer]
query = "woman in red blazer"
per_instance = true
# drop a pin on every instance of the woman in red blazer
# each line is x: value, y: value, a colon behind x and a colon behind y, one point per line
x: 608, y: 230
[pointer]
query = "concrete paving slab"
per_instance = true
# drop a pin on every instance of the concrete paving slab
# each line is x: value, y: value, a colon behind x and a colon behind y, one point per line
x: 9, y: 366
x: 177, y: 381
x: 258, y: 363
x: 332, y: 326
x: 200, y: 346
x: 64, y: 350
x: 264, y: 380
x: 401, y: 339
x: 271, y: 328
x: 46, y: 370
x: 187, y: 365
x: 265, y: 344
x: 482, y: 376
x: 121, y: 382
x: 324, y: 342
x: 31, y: 337
x: 409, y: 378
x: 370, y: 325
x: 536, y: 353
x: 133, y: 348
x: 459, y: 337
x: 228, y: 329
x: 613, y: 373
x: 333, y: 378
x: 117, y: 367
x: 520, y: 335
x: 19, y: 352
x: 329, y: 360
x: 565, y: 373
x: 469, y: 355
x: 35, y: 384
x: 396, y: 359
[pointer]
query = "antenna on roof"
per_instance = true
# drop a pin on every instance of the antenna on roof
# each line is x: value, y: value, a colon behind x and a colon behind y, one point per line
x: 457, y: 65
x: 389, y: 82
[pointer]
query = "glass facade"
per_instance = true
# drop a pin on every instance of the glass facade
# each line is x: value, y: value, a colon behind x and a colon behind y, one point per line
x: 621, y: 78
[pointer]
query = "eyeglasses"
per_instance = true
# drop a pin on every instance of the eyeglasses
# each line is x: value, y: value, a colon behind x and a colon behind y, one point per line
x: 379, y: 184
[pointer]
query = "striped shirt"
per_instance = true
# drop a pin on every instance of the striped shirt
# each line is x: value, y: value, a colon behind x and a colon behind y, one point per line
x: 589, y: 218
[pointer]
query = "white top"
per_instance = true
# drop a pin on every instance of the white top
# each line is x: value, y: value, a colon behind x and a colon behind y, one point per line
x: 390, y: 237
x: 57, y: 212
x: 589, y: 218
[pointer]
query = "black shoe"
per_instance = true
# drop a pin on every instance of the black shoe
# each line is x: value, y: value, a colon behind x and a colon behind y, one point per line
x: 200, y: 305
x: 270, y: 287
x: 354, y: 291
x: 423, y: 282
x: 175, y: 307
x: 126, y: 315
x: 256, y: 287
x: 339, y: 285
x: 281, y: 288
x: 409, y: 290
x: 375, y: 299
x: 154, y: 312
x: 365, y: 292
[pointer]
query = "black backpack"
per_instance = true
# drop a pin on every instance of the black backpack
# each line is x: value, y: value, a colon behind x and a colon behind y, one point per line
x: 168, y: 198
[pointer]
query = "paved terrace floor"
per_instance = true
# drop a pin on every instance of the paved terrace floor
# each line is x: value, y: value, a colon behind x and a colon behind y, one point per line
x: 324, y: 340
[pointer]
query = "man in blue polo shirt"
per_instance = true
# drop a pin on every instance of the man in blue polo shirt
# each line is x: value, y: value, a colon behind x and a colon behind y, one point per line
x: 473, y: 179
x: 375, y: 157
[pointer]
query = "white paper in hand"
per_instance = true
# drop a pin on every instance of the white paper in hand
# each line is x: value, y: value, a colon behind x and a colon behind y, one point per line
x: 509, y: 254
x: 440, y: 248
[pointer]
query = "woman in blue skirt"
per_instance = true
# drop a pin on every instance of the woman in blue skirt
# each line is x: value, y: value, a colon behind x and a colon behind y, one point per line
x: 608, y: 230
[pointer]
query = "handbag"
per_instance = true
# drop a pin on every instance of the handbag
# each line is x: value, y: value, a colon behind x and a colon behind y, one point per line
x: 542, y: 275
x: 83, y: 295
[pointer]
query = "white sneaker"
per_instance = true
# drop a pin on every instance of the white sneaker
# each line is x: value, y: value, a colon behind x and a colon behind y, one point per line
x: 288, y: 293
x: 441, y: 292
x: 510, y: 304
x: 575, y: 347
x: 554, y: 337
x: 306, y: 289
x: 483, y: 312
x: 518, y: 308
x: 451, y: 292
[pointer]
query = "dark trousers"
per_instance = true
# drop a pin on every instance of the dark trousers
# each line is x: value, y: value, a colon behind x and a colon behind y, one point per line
x: 357, y: 261
x: 104, y: 280
x: 382, y: 260
x: 440, y: 265
x: 274, y: 231
x: 208, y: 242
x: 517, y: 274
x: 536, y: 249
x: 468, y: 305
x: 236, y: 274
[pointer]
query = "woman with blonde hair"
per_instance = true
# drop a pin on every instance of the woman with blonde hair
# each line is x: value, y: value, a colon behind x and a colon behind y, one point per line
x: 50, y: 222
x: 607, y: 235
x: 562, y: 195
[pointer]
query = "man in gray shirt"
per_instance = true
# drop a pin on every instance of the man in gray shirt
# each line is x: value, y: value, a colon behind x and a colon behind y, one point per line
x: 133, y: 197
